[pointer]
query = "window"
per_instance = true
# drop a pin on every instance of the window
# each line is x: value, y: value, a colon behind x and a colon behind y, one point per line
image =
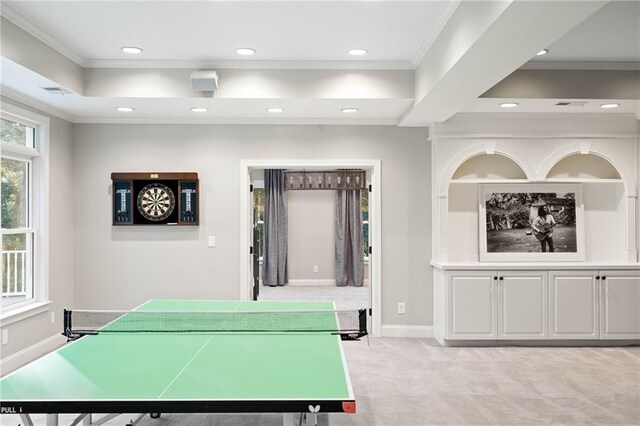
x: 23, y: 137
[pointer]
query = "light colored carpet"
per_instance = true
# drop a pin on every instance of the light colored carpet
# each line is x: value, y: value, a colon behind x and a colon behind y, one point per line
x: 345, y: 297
x: 405, y: 382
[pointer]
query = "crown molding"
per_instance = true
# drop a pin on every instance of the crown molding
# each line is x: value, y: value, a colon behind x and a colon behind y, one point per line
x: 544, y: 115
x: 439, y: 26
x: 288, y: 65
x: 22, y: 22
x: 581, y: 65
x: 244, y: 121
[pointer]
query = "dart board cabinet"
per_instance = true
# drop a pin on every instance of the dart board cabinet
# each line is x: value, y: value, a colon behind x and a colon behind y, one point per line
x: 155, y: 199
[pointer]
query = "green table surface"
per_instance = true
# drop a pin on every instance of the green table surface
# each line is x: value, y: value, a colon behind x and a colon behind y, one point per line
x: 189, y: 366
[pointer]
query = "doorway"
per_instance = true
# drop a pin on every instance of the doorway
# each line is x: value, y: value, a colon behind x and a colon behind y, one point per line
x: 250, y: 258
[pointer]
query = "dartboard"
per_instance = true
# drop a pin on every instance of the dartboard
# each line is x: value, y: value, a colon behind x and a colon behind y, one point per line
x: 156, y: 201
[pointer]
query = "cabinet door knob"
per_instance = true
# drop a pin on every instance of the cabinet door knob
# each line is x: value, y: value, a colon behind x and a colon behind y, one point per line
x: 597, y: 277
x: 604, y: 278
x: 501, y: 278
x: 495, y: 278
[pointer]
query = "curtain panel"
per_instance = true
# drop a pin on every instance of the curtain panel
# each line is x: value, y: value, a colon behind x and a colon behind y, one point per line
x: 349, y: 257
x: 274, y: 260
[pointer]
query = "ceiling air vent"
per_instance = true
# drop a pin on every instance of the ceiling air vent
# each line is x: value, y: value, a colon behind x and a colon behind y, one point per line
x: 572, y: 104
x: 57, y: 91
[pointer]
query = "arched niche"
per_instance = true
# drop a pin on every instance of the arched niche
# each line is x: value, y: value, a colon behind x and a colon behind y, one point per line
x: 489, y: 166
x: 583, y: 166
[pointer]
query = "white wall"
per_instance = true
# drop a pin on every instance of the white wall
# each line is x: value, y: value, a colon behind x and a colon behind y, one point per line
x: 120, y: 267
x: 36, y: 329
x: 311, y: 235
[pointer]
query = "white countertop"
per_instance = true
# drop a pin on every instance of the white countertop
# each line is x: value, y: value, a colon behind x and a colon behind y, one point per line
x: 547, y: 266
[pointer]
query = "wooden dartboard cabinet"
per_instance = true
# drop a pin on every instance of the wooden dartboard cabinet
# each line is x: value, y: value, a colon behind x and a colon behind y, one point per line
x: 155, y: 199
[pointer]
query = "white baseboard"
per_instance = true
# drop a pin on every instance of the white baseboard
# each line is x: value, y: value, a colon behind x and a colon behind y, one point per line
x: 407, y: 331
x: 311, y: 282
x: 20, y: 358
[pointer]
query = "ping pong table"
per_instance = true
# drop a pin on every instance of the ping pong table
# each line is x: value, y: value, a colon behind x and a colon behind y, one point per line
x: 269, y: 364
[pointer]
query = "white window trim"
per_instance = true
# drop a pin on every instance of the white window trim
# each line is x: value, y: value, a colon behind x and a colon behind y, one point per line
x: 39, y: 211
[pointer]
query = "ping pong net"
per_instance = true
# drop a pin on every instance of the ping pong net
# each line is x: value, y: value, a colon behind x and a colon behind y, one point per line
x: 349, y: 324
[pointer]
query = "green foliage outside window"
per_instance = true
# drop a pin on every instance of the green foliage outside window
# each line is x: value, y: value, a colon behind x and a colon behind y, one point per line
x: 14, y: 184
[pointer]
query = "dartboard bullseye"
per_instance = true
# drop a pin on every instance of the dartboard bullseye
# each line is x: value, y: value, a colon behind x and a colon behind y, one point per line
x: 156, y: 202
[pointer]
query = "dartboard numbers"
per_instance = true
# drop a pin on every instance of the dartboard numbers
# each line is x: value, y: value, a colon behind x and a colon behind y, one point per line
x: 156, y: 202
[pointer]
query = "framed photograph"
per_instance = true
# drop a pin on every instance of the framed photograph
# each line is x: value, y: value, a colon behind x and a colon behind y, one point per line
x: 531, y: 222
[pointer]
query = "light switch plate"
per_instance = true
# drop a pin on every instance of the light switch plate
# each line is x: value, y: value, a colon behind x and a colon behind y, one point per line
x: 212, y: 241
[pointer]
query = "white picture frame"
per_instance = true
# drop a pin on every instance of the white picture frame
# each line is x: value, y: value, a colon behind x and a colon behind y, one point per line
x: 503, y: 235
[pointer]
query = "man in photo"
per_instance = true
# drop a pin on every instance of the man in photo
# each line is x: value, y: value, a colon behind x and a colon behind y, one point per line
x: 543, y: 228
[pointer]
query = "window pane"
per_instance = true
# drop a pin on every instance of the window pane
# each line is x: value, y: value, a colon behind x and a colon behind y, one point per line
x: 14, y: 193
x: 19, y: 134
x: 17, y: 284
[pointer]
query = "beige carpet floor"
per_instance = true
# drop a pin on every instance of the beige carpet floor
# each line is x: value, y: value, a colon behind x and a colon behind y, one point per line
x: 345, y: 297
x: 408, y: 382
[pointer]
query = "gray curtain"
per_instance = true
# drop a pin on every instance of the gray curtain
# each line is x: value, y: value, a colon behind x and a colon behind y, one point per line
x: 349, y: 257
x: 274, y: 258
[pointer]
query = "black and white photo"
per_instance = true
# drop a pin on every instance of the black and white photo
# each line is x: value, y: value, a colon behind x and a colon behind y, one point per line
x: 530, y: 222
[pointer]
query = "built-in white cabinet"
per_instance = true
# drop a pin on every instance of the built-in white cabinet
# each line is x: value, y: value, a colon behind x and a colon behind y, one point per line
x: 522, y: 305
x: 538, y: 304
x: 594, y: 305
x: 574, y: 300
x: 496, y: 305
x: 620, y: 304
x: 472, y: 306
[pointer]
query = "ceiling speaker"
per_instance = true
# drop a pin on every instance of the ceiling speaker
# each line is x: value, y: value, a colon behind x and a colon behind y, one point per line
x: 204, y: 81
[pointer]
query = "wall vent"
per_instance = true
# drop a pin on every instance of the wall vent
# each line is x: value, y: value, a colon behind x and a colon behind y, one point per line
x: 57, y: 91
x: 572, y: 104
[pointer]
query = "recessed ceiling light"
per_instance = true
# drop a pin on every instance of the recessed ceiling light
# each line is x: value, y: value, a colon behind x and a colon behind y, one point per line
x: 198, y: 109
x: 358, y: 52
x: 542, y: 52
x: 348, y: 110
x: 609, y: 105
x: 274, y: 110
x: 125, y: 109
x: 131, y: 49
x: 509, y: 104
x: 245, y: 51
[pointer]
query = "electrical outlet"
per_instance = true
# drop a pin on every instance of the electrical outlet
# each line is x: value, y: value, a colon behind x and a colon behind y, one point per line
x: 5, y: 336
x: 53, y: 317
x: 315, y: 268
x: 401, y: 308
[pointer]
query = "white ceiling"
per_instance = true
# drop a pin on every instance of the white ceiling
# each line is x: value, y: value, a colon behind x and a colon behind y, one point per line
x: 304, y: 35
x: 195, y: 32
x: 610, y: 35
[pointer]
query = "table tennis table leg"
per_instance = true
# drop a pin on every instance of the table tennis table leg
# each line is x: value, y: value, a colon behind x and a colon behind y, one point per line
x: 288, y: 419
x: 26, y: 419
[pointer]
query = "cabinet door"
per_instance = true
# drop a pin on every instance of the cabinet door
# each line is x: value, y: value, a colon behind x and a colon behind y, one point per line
x: 522, y: 305
x: 471, y: 306
x: 573, y: 305
x: 620, y: 307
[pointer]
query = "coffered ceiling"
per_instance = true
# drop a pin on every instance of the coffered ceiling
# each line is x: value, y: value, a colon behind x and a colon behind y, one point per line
x: 425, y: 61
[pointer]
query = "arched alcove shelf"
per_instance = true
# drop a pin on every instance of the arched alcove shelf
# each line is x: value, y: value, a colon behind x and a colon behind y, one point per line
x: 488, y: 162
x: 589, y: 167
x: 569, y: 164
x: 488, y: 167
